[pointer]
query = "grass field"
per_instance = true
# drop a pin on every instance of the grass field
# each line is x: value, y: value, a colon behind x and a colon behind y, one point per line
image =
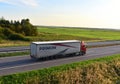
x: 104, y: 70
x: 55, y: 33
x: 9, y: 43
x: 92, y: 34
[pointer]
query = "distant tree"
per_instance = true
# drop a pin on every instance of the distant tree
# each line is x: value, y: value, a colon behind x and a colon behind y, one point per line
x: 1, y: 33
x: 2, y: 22
x: 28, y: 28
x: 13, y: 29
x: 2, y: 18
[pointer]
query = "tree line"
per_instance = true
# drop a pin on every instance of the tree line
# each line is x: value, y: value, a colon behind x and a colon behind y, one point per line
x: 16, y: 30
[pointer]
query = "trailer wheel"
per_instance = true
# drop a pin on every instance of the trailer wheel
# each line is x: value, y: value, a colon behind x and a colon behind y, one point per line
x: 83, y: 53
x: 77, y: 54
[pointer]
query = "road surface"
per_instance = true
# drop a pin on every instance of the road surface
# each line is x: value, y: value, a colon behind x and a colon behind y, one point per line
x: 10, y: 65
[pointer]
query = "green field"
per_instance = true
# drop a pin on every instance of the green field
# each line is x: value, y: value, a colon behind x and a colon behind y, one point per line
x: 61, y: 33
x: 81, y: 33
x: 9, y: 43
x: 104, y: 70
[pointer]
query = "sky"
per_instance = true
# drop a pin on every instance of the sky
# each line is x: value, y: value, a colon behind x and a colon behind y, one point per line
x: 71, y: 13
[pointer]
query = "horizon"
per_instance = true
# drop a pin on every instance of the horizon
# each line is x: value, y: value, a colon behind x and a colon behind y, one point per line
x: 103, y: 14
x: 77, y: 27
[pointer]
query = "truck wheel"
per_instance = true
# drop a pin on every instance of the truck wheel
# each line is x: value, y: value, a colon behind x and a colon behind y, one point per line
x: 82, y: 53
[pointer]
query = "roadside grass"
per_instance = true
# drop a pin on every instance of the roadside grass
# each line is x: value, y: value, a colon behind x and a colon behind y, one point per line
x: 98, y: 34
x: 105, y: 70
x: 10, y: 43
x: 9, y: 54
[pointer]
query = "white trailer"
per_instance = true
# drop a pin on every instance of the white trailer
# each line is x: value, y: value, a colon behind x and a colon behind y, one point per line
x: 55, y: 48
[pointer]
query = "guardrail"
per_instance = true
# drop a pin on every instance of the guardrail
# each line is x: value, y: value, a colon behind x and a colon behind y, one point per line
x: 89, y: 44
x: 102, y: 43
x: 14, y: 49
x: 4, y: 51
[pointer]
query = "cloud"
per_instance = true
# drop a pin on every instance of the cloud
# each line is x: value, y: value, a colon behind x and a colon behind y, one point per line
x: 30, y: 2
x: 21, y: 2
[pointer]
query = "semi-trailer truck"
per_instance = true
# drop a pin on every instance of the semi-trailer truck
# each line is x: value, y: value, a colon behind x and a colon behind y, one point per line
x: 57, y: 48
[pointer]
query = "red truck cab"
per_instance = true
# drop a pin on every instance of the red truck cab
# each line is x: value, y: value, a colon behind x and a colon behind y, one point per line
x: 83, y: 48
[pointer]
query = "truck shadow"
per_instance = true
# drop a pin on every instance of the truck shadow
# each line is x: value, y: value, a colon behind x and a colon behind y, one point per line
x: 31, y: 61
x: 57, y: 57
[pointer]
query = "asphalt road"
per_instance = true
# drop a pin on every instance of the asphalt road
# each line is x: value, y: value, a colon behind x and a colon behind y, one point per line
x: 26, y: 48
x: 10, y: 65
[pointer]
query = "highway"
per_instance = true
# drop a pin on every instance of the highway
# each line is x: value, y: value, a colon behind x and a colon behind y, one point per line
x: 10, y: 65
